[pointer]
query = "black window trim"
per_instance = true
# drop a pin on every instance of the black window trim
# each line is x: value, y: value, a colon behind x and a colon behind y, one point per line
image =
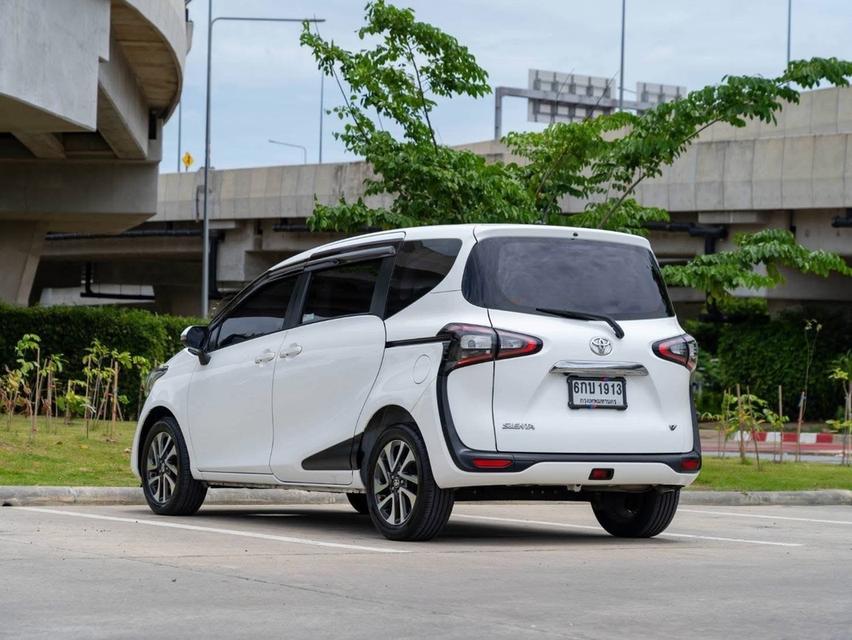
x: 384, y: 315
x: 380, y: 291
x: 256, y: 284
x: 317, y: 260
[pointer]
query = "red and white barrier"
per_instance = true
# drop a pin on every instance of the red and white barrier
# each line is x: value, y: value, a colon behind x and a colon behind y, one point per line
x: 772, y: 436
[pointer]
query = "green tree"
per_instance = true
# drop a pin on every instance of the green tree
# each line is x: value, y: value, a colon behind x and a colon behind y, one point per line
x: 392, y: 86
x: 718, y: 274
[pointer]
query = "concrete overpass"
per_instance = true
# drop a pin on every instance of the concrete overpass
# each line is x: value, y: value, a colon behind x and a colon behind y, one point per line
x: 797, y: 175
x: 85, y: 87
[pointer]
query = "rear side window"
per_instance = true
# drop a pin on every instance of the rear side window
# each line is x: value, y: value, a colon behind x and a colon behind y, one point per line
x: 419, y: 267
x: 260, y: 314
x: 520, y: 274
x: 344, y: 290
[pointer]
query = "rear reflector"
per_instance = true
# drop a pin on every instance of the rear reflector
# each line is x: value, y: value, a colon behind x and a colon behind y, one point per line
x: 492, y: 463
x: 690, y: 464
x: 601, y: 474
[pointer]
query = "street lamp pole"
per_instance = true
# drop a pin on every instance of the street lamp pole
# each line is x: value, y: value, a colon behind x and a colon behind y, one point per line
x: 205, y: 249
x: 789, y: 27
x: 621, y: 68
x: 295, y: 146
x: 322, y: 90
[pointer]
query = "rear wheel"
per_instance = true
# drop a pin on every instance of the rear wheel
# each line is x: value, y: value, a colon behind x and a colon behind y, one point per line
x: 404, y: 500
x: 358, y: 502
x: 636, y: 515
x: 167, y: 482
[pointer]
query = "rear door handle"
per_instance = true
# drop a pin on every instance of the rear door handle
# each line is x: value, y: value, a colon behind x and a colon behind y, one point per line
x: 266, y: 356
x: 291, y: 351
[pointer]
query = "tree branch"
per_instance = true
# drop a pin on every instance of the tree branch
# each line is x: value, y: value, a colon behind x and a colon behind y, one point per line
x: 422, y: 96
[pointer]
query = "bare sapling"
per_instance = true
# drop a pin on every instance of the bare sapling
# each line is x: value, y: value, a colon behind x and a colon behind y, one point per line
x: 812, y: 329
x: 778, y: 449
x: 842, y: 373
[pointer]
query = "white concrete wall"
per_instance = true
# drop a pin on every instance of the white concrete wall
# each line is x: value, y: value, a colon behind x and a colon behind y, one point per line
x: 49, y: 56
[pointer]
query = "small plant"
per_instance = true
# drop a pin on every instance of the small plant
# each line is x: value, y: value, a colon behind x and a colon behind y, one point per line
x: 812, y: 329
x: 52, y: 365
x: 71, y: 403
x: 10, y: 393
x: 842, y: 373
x: 28, y: 352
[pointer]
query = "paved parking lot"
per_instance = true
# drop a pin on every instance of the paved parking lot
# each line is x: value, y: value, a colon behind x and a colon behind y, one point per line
x: 500, y: 570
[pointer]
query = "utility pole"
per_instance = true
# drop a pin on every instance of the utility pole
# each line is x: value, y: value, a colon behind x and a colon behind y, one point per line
x: 621, y: 68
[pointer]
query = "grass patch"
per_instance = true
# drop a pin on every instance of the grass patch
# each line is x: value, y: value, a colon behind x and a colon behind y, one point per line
x: 729, y: 474
x: 62, y: 455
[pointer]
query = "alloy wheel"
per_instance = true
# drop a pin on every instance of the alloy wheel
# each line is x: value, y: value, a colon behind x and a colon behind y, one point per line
x: 161, y: 467
x: 395, y: 482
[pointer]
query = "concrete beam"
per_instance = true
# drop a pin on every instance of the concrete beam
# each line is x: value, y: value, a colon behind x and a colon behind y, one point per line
x: 122, y: 108
x: 97, y: 197
x: 42, y: 145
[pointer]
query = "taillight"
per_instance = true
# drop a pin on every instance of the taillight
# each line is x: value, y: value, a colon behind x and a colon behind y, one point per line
x: 681, y: 349
x: 472, y: 344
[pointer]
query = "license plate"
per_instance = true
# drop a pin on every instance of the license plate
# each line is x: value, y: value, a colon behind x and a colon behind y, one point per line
x: 597, y: 393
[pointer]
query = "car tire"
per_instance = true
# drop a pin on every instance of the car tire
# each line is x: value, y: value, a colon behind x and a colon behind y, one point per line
x: 167, y: 481
x: 636, y: 515
x: 359, y: 502
x: 405, y: 502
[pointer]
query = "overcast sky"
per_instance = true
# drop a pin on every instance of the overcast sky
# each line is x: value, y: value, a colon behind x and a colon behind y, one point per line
x: 266, y: 86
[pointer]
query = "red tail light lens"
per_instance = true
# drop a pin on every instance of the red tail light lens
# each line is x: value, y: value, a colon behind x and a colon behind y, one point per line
x: 690, y: 464
x: 681, y: 349
x: 472, y: 344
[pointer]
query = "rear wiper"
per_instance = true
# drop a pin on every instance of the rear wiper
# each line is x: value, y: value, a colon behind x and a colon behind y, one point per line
x: 577, y: 315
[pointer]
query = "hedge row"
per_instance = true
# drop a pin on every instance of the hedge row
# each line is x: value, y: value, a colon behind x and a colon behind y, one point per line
x: 763, y: 352
x: 70, y: 330
x: 759, y: 353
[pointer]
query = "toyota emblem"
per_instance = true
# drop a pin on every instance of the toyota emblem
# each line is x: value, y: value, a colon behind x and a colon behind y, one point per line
x: 601, y: 346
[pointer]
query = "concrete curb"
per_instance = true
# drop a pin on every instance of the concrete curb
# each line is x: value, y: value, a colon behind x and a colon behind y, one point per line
x: 44, y: 496
x: 755, y: 498
x: 19, y: 496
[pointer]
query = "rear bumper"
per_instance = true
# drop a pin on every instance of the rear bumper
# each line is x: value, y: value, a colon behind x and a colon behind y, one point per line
x: 567, y: 474
x: 678, y: 469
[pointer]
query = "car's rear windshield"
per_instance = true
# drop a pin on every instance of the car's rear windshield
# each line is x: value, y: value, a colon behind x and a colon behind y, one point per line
x: 522, y: 274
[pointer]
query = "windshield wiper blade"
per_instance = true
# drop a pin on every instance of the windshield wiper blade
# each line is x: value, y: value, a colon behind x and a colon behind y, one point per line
x: 578, y: 315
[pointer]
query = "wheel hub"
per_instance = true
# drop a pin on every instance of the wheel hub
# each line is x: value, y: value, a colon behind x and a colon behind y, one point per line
x: 395, y: 482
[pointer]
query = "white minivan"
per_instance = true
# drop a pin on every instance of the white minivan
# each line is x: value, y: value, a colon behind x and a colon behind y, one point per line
x: 414, y: 368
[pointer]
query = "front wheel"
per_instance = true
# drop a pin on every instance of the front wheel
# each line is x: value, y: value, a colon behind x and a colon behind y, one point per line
x: 404, y: 500
x: 167, y: 482
x: 636, y: 515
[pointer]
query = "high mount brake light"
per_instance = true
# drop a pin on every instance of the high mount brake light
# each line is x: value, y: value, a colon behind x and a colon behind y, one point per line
x: 681, y: 349
x: 472, y: 344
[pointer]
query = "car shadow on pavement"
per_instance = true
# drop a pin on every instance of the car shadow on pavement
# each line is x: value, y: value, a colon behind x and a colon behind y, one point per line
x: 343, y: 522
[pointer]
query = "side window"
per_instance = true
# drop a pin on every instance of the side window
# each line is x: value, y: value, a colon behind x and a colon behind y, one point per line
x: 420, y: 265
x: 260, y: 314
x: 344, y: 290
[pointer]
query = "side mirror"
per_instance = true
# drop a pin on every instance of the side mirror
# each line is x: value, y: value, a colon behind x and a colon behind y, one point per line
x: 194, y: 339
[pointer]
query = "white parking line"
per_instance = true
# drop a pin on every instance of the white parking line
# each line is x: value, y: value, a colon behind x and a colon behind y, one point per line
x: 764, y: 516
x: 230, y: 532
x: 669, y: 535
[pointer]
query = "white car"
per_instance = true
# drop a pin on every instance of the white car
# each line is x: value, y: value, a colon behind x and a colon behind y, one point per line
x: 413, y: 368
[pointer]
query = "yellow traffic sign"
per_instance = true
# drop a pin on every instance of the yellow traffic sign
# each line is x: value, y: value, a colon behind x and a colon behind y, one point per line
x: 187, y: 160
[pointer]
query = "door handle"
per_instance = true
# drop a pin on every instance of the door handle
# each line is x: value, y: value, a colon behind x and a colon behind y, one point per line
x: 291, y: 351
x: 266, y: 356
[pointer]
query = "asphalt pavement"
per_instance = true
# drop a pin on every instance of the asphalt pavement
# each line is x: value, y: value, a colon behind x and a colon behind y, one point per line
x: 499, y: 571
